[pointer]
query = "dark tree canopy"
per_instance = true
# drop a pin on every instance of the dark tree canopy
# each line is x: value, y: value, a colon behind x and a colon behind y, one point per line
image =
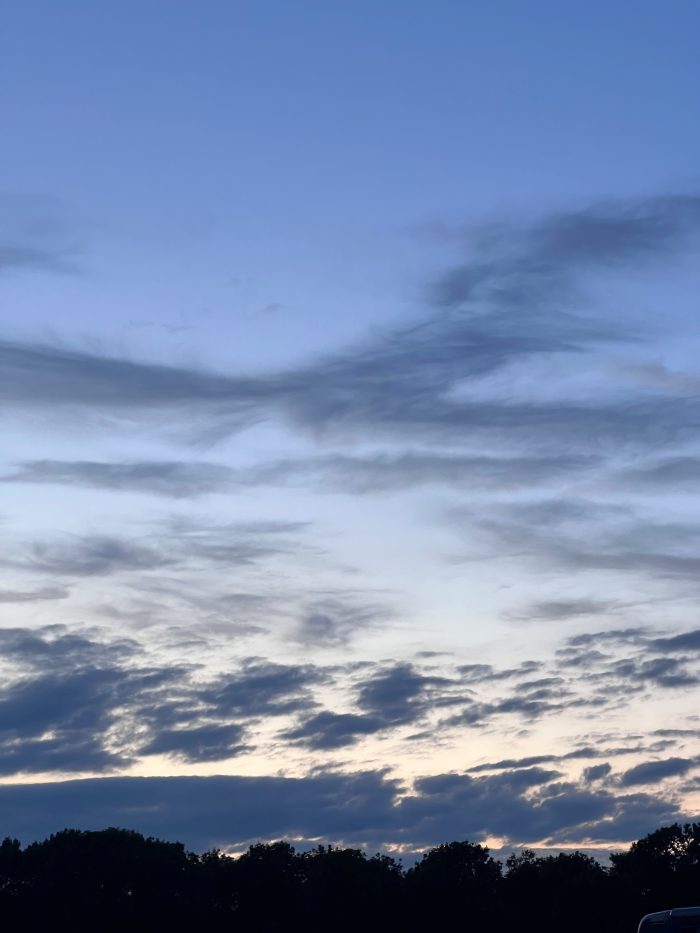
x: 116, y: 879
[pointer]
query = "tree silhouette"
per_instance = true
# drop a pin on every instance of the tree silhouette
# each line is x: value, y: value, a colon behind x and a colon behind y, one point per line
x: 542, y: 893
x: 267, y: 881
x: 662, y: 870
x: 455, y: 880
x: 108, y: 878
x: 351, y: 892
x: 116, y: 879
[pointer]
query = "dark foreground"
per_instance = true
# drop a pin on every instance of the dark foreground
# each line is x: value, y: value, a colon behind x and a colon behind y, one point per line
x: 118, y: 880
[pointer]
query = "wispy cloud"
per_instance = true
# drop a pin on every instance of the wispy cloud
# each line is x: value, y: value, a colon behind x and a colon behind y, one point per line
x: 502, y: 305
x: 176, y: 479
x: 33, y: 258
x: 32, y: 596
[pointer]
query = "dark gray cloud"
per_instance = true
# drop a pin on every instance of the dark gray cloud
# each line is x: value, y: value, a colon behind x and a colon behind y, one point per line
x: 633, y: 816
x: 482, y: 673
x: 525, y: 804
x: 72, y: 702
x: 328, y: 730
x: 176, y: 479
x: 200, y: 743
x: 57, y: 722
x: 366, y: 808
x: 587, y: 751
x: 665, y: 661
x: 401, y: 694
x: 651, y: 772
x: 529, y: 706
x: 85, y: 714
x: 33, y: 596
x: 69, y: 751
x: 594, y: 671
x: 55, y: 648
x: 596, y: 772
x: 389, y: 698
x: 618, y: 636
x: 685, y: 642
x: 208, y: 812
x: 554, y: 610
x: 262, y: 688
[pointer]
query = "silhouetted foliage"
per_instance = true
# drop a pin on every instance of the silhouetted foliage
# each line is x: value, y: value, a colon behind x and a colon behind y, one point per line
x: 116, y: 879
x: 662, y: 869
x: 566, y: 889
x: 357, y: 892
x: 455, y: 880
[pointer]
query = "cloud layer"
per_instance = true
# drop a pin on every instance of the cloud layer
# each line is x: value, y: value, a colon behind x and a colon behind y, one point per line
x: 329, y: 573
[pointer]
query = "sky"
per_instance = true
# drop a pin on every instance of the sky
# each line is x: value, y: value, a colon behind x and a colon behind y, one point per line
x: 349, y: 400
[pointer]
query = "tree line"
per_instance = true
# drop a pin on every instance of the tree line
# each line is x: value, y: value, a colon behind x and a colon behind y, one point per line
x: 117, y: 879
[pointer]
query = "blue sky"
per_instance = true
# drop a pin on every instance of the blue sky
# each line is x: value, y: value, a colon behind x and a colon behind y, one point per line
x: 350, y: 400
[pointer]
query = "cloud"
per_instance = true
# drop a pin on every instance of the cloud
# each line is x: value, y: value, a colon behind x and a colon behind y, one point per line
x: 41, y: 594
x: 176, y: 479
x: 651, y: 772
x: 516, y: 298
x: 18, y: 258
x: 554, y: 610
x: 169, y: 543
x: 328, y: 730
x: 652, y: 663
x: 206, y: 812
x: 72, y: 702
x: 583, y: 752
x: 87, y: 712
x: 596, y: 772
x: 685, y: 641
x: 378, y: 473
x: 331, y: 621
x: 54, y: 648
x: 263, y: 688
x: 392, y: 697
x: 524, y: 805
x: 57, y: 722
x: 631, y: 817
x: 603, y: 669
x: 670, y: 474
x: 578, y: 535
x: 618, y: 233
x: 364, y: 808
x: 201, y: 743
x: 75, y: 702
x: 47, y: 378
x: 381, y: 472
x: 400, y: 694
x: 91, y: 555
x: 480, y: 673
